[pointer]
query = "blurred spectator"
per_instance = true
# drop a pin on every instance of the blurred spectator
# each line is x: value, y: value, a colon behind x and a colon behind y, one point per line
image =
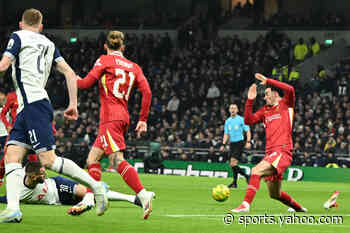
x: 213, y: 91
x: 173, y: 104
x: 300, y: 50
x: 315, y: 46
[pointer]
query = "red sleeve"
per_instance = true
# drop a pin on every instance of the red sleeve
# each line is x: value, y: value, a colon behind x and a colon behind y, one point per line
x: 5, y: 110
x: 94, y: 75
x: 289, y: 94
x: 143, y: 86
x: 54, y: 129
x: 251, y: 118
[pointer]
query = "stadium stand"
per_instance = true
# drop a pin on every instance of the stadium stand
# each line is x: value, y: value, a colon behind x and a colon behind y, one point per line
x: 193, y: 81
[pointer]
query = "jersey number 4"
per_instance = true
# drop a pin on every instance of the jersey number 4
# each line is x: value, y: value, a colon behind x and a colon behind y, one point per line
x: 123, y: 85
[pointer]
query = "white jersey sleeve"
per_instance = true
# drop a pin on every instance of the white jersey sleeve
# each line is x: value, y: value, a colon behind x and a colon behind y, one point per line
x: 32, y: 57
x: 45, y: 193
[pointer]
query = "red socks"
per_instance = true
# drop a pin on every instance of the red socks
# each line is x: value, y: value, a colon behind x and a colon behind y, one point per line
x: 288, y: 200
x: 95, y: 171
x: 130, y: 176
x: 253, y: 187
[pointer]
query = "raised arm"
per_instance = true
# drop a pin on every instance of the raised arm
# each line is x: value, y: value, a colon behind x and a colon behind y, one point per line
x: 289, y: 94
x: 251, y: 118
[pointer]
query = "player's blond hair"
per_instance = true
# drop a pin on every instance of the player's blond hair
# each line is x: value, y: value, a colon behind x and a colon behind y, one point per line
x: 32, y: 17
x: 115, y: 40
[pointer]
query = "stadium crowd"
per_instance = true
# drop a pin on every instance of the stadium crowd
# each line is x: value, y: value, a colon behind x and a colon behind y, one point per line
x: 193, y: 84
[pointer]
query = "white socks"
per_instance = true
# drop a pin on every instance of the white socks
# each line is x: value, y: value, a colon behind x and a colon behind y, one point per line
x: 115, y: 196
x: 71, y: 169
x: 142, y: 195
x: 14, y: 181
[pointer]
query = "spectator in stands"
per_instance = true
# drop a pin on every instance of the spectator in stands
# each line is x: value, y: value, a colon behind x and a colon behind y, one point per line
x: 173, y: 104
x: 213, y: 92
x: 331, y: 160
x: 314, y: 46
x: 187, y: 72
x: 300, y: 51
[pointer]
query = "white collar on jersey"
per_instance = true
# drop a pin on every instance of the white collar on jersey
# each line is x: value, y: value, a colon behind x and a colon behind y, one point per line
x: 118, y: 53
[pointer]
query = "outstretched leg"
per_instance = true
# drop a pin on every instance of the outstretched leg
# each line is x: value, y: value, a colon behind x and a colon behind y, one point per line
x: 131, y: 178
x: 261, y: 169
x: 274, y: 187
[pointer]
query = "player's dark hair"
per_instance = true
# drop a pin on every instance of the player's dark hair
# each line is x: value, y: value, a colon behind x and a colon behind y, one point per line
x: 32, y: 17
x: 279, y: 91
x: 115, y: 40
x: 33, y: 167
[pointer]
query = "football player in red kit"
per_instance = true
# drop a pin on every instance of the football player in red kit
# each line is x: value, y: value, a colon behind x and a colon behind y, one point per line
x: 277, y: 116
x: 11, y: 106
x: 116, y: 77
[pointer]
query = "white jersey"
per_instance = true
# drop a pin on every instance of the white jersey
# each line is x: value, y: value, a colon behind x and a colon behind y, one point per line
x: 45, y: 193
x: 32, y: 56
x: 3, y: 131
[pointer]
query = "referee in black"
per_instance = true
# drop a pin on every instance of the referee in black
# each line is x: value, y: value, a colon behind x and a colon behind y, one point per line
x: 233, y: 133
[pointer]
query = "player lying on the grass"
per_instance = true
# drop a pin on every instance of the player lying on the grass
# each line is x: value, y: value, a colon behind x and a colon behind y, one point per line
x: 38, y: 189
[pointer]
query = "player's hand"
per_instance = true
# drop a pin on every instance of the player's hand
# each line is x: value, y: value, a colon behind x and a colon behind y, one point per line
x: 78, y: 77
x: 141, y: 127
x: 248, y: 145
x: 252, y: 92
x: 261, y: 78
x: 71, y: 113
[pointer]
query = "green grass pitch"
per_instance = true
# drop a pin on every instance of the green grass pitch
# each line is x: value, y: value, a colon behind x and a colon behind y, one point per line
x: 184, y: 204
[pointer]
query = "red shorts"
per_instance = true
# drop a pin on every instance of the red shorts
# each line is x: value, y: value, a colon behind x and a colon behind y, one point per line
x: 110, y: 137
x: 280, y: 160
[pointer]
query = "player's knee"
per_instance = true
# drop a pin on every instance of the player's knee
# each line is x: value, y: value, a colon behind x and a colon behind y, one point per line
x: 47, y: 160
x: 14, y: 154
x: 255, y: 171
x: 90, y: 161
x: 119, y: 157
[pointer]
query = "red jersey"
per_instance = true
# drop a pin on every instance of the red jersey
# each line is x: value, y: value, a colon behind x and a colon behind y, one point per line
x: 278, y: 119
x: 10, y: 105
x: 116, y: 77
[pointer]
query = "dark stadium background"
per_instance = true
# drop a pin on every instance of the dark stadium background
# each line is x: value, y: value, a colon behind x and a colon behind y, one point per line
x: 188, y: 48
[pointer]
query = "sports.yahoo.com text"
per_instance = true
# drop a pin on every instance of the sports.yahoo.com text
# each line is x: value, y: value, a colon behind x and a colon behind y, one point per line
x: 281, y: 220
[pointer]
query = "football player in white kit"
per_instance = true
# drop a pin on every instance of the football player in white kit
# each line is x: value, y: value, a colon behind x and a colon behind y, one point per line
x: 38, y: 189
x: 32, y: 55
